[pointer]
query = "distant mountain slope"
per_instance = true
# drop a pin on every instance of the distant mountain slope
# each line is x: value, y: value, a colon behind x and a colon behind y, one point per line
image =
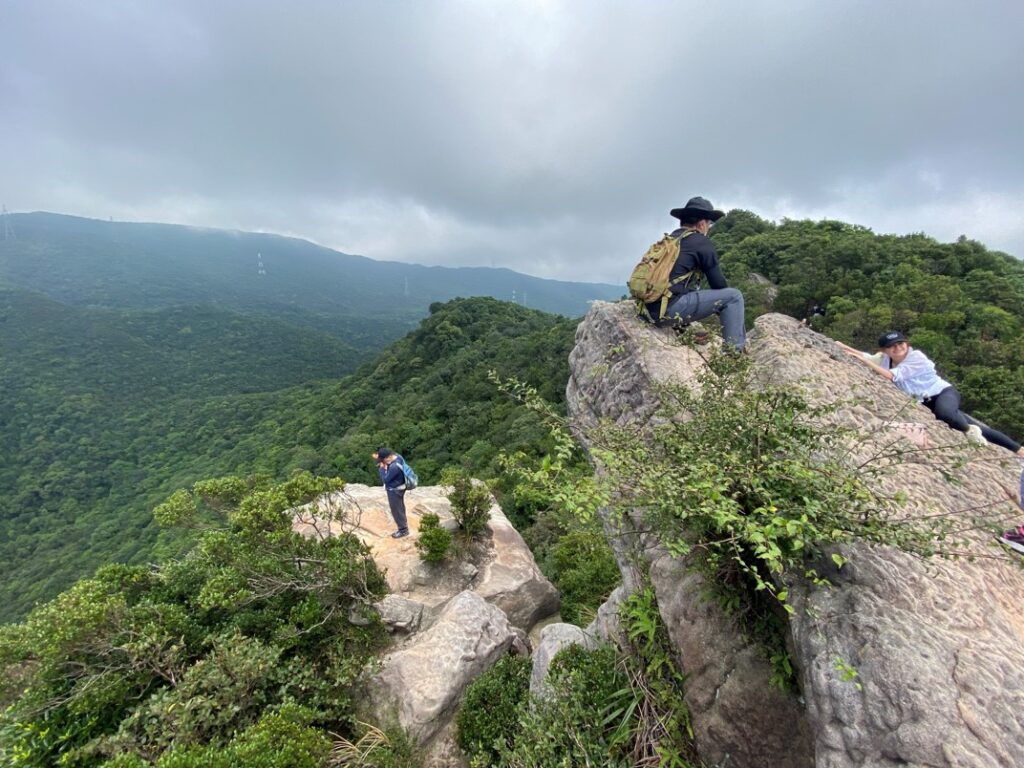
x: 114, y: 264
x: 178, y: 352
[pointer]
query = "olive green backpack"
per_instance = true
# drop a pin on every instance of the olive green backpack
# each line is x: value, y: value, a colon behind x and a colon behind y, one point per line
x: 650, y: 279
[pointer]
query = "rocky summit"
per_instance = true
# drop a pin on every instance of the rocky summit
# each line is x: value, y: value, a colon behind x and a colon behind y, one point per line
x: 937, y: 645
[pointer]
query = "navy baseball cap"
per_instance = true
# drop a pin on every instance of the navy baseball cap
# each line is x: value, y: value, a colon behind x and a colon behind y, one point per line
x: 889, y: 338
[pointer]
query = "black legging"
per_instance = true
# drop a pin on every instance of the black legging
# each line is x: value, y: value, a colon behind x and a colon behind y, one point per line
x: 946, y: 407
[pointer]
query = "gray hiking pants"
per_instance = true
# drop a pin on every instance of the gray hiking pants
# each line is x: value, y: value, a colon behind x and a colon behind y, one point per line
x: 727, y: 303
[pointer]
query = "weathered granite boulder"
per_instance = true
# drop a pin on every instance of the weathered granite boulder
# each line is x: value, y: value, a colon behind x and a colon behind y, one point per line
x: 938, y: 647
x: 605, y: 627
x: 511, y: 579
x: 449, y: 622
x: 501, y: 570
x: 553, y: 638
x: 424, y: 680
x: 400, y: 614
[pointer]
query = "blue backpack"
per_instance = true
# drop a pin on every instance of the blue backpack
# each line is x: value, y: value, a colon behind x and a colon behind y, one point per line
x: 411, y: 480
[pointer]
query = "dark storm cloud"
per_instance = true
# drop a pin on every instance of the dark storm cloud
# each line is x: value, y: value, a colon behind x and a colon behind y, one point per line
x: 550, y: 137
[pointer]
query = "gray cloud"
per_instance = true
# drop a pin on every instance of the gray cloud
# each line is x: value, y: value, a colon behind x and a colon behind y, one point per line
x: 547, y: 136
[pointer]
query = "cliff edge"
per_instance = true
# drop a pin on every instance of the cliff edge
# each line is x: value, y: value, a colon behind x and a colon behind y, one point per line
x: 937, y: 645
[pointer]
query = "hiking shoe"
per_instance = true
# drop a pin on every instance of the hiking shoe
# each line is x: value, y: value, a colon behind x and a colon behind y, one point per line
x: 403, y: 534
x: 975, y: 436
x: 1014, y: 539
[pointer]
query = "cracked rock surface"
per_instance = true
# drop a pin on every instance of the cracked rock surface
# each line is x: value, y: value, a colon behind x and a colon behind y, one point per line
x: 937, y: 646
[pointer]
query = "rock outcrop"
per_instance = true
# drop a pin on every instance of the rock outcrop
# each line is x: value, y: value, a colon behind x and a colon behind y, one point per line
x: 423, y: 681
x: 553, y: 638
x: 938, y: 646
x: 449, y: 622
x: 501, y: 569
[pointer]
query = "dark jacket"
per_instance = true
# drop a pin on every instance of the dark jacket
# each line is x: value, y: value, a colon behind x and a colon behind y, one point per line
x: 697, y: 254
x: 392, y: 477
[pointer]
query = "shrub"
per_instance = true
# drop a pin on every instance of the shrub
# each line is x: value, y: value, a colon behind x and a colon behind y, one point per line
x: 584, y: 570
x: 488, y: 718
x: 471, y: 502
x: 197, y: 650
x: 586, y: 720
x: 433, y: 542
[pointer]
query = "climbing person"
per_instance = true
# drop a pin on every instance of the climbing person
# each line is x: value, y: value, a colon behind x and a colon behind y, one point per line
x: 392, y: 476
x: 678, y: 300
x: 912, y: 371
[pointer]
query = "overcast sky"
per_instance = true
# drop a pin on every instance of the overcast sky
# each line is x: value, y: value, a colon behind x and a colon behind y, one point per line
x: 548, y: 136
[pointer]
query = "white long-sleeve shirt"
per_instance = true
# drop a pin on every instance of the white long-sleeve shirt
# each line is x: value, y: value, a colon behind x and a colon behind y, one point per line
x: 916, y: 375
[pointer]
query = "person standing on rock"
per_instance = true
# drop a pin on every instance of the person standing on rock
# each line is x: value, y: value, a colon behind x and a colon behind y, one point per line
x: 912, y: 371
x: 393, y: 478
x: 687, y: 302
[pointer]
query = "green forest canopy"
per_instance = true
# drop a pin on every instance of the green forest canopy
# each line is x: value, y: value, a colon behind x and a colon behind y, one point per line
x: 84, y: 460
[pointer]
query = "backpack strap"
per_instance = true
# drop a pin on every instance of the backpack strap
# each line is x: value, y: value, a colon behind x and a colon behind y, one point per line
x: 642, y: 308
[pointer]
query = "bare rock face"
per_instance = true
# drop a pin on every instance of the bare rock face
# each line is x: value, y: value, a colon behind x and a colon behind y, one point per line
x: 605, y: 628
x: 424, y: 681
x: 511, y: 579
x: 503, y: 570
x: 938, y: 647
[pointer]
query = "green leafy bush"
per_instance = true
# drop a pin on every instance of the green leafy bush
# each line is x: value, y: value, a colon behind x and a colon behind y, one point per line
x: 583, y: 568
x: 433, y: 542
x: 488, y: 718
x: 471, y: 502
x: 587, y: 719
x: 169, y: 663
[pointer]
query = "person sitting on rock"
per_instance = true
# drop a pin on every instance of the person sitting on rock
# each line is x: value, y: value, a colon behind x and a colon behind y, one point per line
x: 393, y: 478
x: 697, y: 256
x: 912, y: 371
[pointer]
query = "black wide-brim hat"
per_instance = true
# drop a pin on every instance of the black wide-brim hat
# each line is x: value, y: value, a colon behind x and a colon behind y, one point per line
x: 697, y: 206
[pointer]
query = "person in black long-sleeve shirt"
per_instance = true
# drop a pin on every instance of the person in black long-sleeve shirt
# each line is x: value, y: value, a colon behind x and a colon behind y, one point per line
x: 697, y: 257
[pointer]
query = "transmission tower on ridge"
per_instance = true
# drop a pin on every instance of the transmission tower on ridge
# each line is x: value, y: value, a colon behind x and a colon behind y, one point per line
x: 259, y: 265
x: 8, y: 229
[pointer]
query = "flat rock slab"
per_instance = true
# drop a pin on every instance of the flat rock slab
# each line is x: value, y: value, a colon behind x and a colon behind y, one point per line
x: 499, y: 567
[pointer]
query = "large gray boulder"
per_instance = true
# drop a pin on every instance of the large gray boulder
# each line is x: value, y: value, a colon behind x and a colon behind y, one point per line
x: 938, y: 647
x: 511, y: 579
x: 423, y: 681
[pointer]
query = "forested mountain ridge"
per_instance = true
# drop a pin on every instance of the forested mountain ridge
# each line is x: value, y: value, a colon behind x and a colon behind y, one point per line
x: 366, y: 302
x: 81, y: 470
x: 180, y: 351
